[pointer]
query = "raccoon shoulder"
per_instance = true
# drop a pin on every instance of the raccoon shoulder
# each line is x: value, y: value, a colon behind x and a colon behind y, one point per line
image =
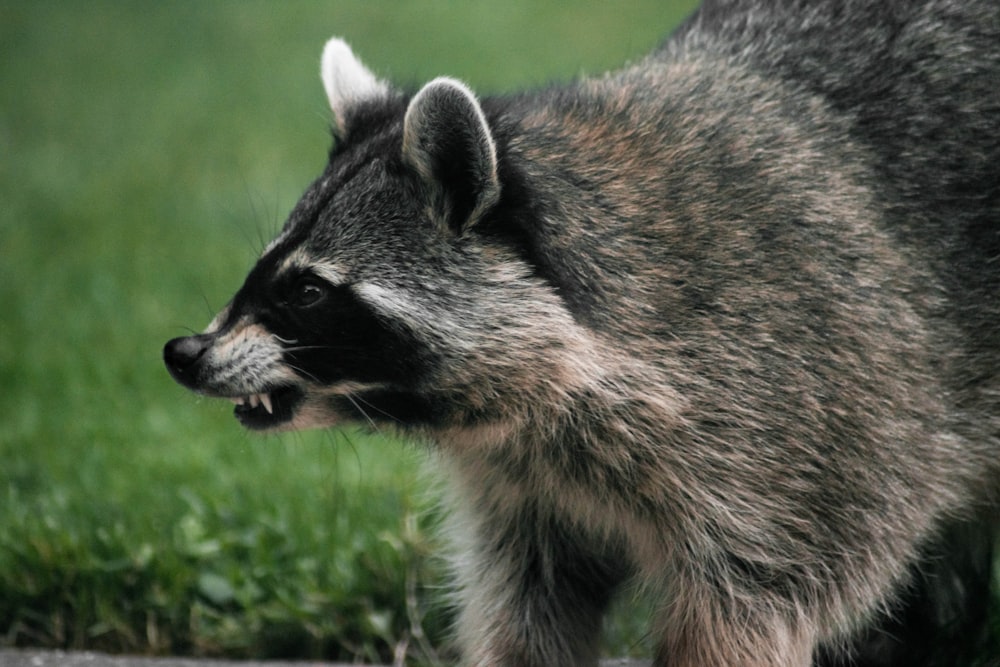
x: 619, y: 190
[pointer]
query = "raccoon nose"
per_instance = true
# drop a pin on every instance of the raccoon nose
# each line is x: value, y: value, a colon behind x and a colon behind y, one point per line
x: 181, y: 356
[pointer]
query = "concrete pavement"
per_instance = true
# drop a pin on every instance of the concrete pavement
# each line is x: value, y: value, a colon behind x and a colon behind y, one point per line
x: 36, y: 658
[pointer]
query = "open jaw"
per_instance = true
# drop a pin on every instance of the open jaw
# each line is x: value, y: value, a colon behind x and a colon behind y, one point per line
x: 268, y: 409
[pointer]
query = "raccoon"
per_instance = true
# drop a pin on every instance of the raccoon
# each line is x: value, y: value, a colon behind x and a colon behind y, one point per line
x: 723, y: 325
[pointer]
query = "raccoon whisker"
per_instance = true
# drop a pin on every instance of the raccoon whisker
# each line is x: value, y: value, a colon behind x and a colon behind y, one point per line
x: 208, y: 305
x: 356, y: 399
x: 260, y: 212
x: 357, y: 406
x: 303, y: 348
x: 293, y: 347
x: 303, y: 372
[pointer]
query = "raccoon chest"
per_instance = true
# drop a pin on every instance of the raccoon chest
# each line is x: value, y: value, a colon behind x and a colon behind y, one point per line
x: 601, y: 488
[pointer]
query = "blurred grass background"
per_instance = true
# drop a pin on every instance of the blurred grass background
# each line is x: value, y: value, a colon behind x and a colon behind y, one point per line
x: 147, y: 152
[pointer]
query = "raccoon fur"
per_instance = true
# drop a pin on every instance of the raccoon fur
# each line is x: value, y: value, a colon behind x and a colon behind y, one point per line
x: 724, y: 324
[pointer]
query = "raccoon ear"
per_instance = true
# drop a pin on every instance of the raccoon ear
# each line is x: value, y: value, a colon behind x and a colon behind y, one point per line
x: 347, y: 81
x: 447, y: 140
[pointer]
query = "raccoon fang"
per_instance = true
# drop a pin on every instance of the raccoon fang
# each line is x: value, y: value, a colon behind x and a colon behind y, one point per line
x: 724, y: 323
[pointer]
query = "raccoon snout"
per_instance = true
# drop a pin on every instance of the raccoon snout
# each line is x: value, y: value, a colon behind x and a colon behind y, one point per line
x: 181, y: 355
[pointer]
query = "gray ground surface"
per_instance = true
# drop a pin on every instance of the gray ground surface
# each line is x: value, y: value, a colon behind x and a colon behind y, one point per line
x: 33, y: 658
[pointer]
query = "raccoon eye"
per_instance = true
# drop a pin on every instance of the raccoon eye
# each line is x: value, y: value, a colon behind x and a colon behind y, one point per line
x: 307, y: 293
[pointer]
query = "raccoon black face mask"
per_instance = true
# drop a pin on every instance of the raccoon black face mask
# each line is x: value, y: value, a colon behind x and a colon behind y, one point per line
x: 725, y: 322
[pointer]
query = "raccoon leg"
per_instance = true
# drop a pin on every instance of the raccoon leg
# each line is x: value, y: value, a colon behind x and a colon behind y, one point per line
x: 530, y: 596
x: 942, y: 617
x: 708, y: 621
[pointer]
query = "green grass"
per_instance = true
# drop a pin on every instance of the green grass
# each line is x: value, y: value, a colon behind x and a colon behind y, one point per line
x: 147, y: 152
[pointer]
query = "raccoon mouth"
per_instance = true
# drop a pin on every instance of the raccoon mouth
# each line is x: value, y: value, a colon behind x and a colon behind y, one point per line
x: 267, y: 409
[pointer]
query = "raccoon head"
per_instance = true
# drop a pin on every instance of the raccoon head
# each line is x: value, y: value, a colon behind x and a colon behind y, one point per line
x: 379, y: 301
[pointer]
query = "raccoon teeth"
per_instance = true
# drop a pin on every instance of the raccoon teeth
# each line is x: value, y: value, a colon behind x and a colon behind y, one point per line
x: 255, y: 400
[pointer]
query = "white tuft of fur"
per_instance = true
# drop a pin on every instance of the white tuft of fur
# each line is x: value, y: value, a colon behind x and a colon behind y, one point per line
x: 346, y: 80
